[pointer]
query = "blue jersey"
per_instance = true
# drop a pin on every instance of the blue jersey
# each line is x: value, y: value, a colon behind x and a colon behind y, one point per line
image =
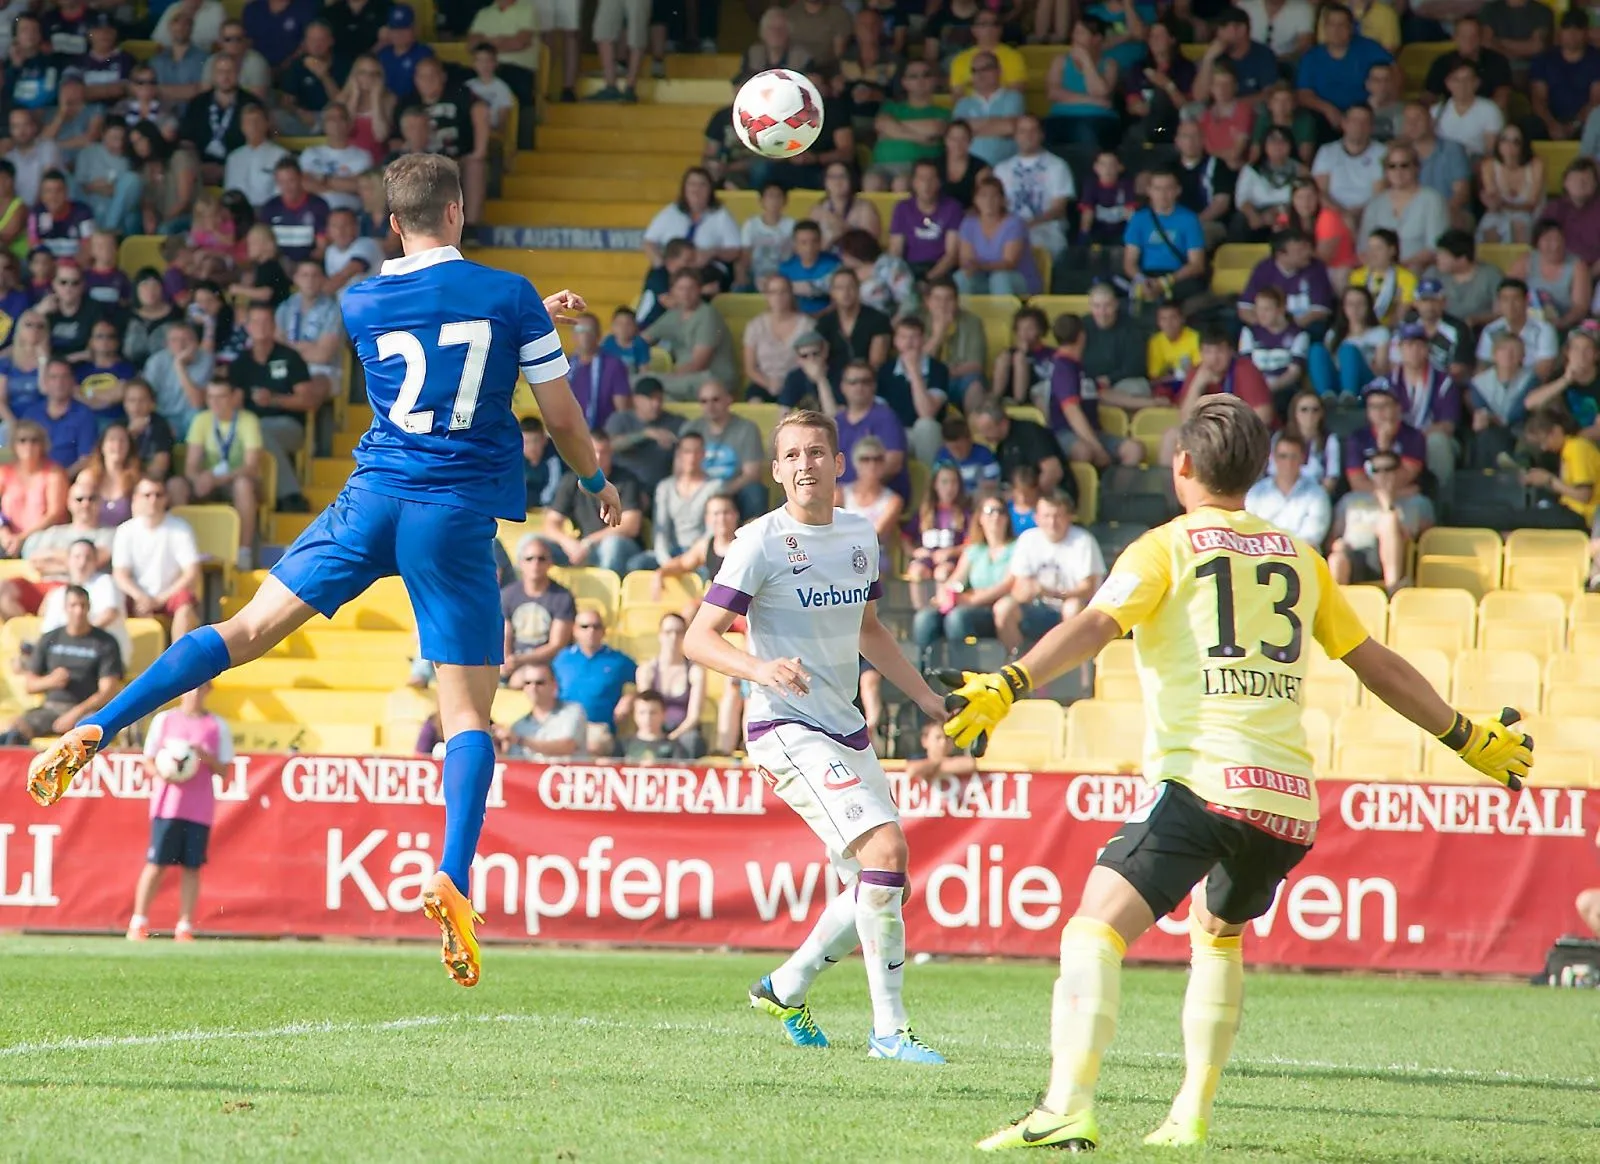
x: 441, y: 340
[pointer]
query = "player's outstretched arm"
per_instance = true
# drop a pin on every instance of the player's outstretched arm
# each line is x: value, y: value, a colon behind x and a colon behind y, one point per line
x: 705, y: 642
x: 879, y: 647
x: 978, y: 702
x: 1493, y: 746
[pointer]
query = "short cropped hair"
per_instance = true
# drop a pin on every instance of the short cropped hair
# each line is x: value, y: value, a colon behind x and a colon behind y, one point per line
x: 1227, y: 443
x: 418, y: 187
x: 807, y: 418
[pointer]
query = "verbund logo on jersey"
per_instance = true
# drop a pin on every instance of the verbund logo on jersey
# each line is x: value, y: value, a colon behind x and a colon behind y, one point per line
x: 1261, y: 545
x: 831, y: 596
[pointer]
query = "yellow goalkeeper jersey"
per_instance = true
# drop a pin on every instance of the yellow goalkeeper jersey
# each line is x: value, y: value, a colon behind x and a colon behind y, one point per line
x: 1220, y: 604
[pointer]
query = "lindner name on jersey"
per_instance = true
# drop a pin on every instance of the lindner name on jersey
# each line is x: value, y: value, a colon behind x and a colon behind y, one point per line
x: 832, y: 596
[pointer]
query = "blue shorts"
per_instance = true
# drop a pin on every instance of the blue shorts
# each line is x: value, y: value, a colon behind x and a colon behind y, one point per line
x: 443, y: 554
x: 178, y: 842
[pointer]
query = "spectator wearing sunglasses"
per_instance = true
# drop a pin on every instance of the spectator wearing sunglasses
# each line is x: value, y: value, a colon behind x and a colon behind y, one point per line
x: 538, y: 610
x: 597, y: 677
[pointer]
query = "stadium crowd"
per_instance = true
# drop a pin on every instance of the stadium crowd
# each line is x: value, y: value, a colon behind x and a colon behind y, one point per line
x: 1392, y: 357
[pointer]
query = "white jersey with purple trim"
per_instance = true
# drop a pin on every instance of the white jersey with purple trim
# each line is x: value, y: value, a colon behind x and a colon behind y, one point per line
x: 804, y: 589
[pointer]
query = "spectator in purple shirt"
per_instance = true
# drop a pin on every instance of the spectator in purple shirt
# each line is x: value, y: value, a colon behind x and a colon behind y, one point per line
x: 924, y: 230
x: 106, y: 66
x: 276, y: 27
x: 298, y: 218
x: 599, y: 380
x: 1294, y: 269
x: 1564, y: 81
x: 1386, y: 431
x: 995, y: 256
x: 1577, y: 211
x: 1075, y: 404
x: 862, y: 414
x: 69, y: 421
x: 1430, y: 401
x: 57, y: 223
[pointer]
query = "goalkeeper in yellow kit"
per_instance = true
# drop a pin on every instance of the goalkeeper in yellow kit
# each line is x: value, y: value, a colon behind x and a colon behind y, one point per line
x: 1220, y: 604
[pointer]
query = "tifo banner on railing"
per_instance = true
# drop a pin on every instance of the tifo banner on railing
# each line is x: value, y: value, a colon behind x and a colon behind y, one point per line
x: 1403, y: 877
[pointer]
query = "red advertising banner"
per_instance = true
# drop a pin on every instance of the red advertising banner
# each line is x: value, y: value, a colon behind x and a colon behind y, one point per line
x: 1463, y: 878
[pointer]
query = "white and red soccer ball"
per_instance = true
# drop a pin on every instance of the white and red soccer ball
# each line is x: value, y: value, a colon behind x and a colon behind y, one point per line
x: 778, y: 113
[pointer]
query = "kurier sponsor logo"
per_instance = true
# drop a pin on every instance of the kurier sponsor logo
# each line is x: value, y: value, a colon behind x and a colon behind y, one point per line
x: 1268, y: 781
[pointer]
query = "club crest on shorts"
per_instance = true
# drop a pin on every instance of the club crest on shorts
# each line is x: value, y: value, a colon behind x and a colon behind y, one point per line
x: 858, y: 560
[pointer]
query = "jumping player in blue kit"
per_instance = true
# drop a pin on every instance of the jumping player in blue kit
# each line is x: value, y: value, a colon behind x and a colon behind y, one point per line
x: 441, y: 340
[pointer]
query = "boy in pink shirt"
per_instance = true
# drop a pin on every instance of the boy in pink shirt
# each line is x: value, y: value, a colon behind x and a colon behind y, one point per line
x: 181, y: 814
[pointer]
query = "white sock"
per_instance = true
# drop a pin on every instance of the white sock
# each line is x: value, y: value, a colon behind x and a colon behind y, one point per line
x: 184, y: 924
x: 832, y: 938
x: 882, y: 929
x: 138, y: 919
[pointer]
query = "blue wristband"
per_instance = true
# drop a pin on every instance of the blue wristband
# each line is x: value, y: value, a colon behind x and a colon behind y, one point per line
x: 593, y: 485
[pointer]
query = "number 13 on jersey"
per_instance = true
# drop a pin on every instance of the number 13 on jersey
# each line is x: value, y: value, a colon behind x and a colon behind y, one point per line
x: 475, y: 335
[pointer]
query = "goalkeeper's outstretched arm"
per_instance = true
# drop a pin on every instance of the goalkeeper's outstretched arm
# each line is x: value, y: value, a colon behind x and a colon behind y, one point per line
x: 1492, y: 746
x: 1070, y: 644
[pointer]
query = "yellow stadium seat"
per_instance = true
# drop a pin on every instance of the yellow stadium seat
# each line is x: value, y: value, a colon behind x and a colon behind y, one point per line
x: 13, y: 633
x: 1487, y: 680
x: 1433, y: 665
x: 1416, y: 59
x: 639, y: 646
x: 919, y: 475
x: 1229, y: 281
x: 1572, y: 684
x: 17, y: 568
x: 139, y: 251
x: 317, y: 641
x: 1088, y: 482
x: 1501, y: 256
x: 1557, y: 155
x: 148, y: 637
x: 1113, y: 421
x: 1030, y: 737
x: 1584, y: 612
x: 677, y: 592
x: 996, y: 313
x: 1569, y: 733
x: 216, y: 533
x: 1055, y: 306
x: 764, y: 416
x: 1371, y: 606
x: 1522, y: 620
x: 1443, y: 619
x: 737, y: 310
x: 384, y: 606
x: 1582, y: 701
x: 642, y: 618
x: 603, y: 586
x: 410, y: 703
x: 1239, y: 256
x: 399, y: 737
x: 1025, y: 412
x: 1105, y: 736
x: 1319, y: 739
x: 1149, y: 426
x: 1567, y: 768
x: 1330, y: 686
x: 1374, y: 743
x: 326, y: 674
x: 352, y: 739
x: 509, y: 706
x: 1115, y: 665
x: 298, y: 705
x: 1453, y: 572
x: 1546, y: 559
x: 1484, y: 546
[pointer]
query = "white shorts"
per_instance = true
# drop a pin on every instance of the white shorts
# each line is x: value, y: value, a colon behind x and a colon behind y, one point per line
x: 558, y: 15
x: 839, y: 791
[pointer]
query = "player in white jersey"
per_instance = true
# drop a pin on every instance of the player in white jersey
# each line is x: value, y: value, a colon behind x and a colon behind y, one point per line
x: 806, y: 576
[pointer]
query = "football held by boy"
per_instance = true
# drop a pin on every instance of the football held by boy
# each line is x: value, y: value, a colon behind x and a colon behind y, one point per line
x: 806, y: 578
x: 1235, y: 806
x: 441, y: 341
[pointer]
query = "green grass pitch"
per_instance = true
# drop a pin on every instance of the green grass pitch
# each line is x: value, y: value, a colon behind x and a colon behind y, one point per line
x: 230, y: 1051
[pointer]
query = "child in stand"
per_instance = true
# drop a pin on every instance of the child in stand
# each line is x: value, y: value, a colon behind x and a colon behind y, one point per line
x: 625, y: 343
x: 650, y: 743
x: 1497, y: 401
x: 104, y: 281
x: 488, y: 87
x: 940, y: 757
x: 1391, y: 286
x: 1172, y: 352
x: 41, y: 273
x: 767, y: 239
x: 179, y: 257
x: 210, y: 229
x: 181, y: 814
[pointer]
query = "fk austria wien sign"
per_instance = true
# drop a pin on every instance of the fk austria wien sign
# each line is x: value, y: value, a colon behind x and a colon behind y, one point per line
x: 1462, y: 878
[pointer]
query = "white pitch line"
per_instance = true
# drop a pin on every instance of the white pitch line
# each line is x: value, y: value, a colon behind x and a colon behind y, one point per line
x: 301, y: 1030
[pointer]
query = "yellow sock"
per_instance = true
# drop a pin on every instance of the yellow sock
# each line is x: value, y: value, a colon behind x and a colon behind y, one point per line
x: 1083, y: 1014
x: 1211, y: 1008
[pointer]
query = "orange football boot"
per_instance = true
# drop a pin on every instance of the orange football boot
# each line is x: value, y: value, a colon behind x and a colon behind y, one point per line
x: 444, y: 903
x: 52, y: 770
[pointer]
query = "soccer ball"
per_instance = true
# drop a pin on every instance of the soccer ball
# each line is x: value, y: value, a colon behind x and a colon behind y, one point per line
x: 176, y: 762
x: 778, y: 113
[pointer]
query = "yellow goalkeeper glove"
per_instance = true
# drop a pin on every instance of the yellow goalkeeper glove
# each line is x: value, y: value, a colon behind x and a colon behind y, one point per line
x: 978, y: 702
x: 1492, y: 746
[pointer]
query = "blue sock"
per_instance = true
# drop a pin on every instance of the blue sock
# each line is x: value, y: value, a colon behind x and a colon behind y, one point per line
x: 196, y: 658
x: 468, y: 772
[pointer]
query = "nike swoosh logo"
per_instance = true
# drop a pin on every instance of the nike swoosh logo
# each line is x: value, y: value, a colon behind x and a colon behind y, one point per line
x: 803, y: 569
x: 896, y: 965
x: 1029, y: 1137
x: 835, y: 961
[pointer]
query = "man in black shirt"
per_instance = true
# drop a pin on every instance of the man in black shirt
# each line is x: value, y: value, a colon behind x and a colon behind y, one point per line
x: 460, y: 129
x: 1022, y: 442
x: 854, y: 330
x: 279, y: 389
x: 597, y: 544
x: 1493, y: 69
x: 211, y: 121
x: 1205, y: 183
x: 76, y: 667
x: 644, y: 435
x: 356, y: 25
x: 70, y: 314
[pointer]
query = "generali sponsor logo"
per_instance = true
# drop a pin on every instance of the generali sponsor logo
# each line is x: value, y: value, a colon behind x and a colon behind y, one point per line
x: 1479, y: 809
x: 604, y: 788
x: 1258, y: 545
